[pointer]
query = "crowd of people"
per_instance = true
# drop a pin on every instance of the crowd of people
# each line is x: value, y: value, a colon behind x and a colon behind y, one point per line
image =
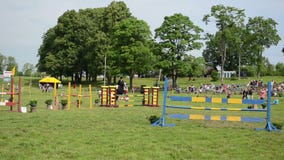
x: 46, y: 87
x: 255, y: 83
x: 212, y: 88
x: 254, y: 89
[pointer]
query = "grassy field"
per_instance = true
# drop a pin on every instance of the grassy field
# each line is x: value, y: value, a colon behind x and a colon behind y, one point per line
x: 126, y: 133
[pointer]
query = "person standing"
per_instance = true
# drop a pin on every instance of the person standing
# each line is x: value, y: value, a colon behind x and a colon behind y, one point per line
x: 250, y: 93
x: 262, y: 96
x: 245, y: 93
x: 120, y: 83
x: 262, y: 93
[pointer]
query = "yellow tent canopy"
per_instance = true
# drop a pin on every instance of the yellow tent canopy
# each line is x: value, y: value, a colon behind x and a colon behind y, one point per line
x: 49, y: 80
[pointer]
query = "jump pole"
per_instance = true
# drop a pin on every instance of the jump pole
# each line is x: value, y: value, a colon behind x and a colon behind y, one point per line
x: 12, y: 93
x: 69, y: 95
x: 79, y: 96
x: 12, y: 90
x: 19, y: 94
x: 90, y: 94
x: 269, y: 126
x: 2, y: 95
x: 161, y: 121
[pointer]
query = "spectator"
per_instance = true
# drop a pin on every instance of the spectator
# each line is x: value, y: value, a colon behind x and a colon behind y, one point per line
x: 262, y: 93
x: 229, y: 93
x: 250, y: 93
x: 120, y: 83
x: 245, y: 93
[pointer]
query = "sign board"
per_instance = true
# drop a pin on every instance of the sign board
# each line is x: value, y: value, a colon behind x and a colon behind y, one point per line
x: 7, y: 79
x: 8, y: 73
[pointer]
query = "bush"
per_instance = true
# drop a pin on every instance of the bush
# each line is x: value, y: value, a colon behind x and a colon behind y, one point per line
x: 153, y: 118
x: 234, y: 77
x: 214, y: 76
x: 33, y: 103
x: 97, y: 101
x: 64, y: 102
x: 278, y: 125
x: 264, y: 105
x: 48, y: 101
x: 249, y: 71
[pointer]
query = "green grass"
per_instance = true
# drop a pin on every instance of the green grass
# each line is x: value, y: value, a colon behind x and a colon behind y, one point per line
x: 125, y: 133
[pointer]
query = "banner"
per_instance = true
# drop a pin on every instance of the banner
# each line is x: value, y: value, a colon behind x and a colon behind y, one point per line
x: 7, y: 73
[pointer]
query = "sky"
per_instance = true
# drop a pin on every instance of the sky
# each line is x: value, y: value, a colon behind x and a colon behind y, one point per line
x: 24, y: 22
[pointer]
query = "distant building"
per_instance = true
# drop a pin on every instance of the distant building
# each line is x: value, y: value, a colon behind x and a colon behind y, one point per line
x: 226, y: 74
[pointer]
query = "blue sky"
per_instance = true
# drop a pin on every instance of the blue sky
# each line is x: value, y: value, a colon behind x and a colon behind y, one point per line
x: 23, y: 22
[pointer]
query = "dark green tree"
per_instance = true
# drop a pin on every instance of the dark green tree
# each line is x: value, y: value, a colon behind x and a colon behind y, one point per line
x: 225, y: 18
x: 177, y: 35
x: 132, y: 38
x: 94, y: 45
x: 279, y: 67
x: 269, y: 69
x: 83, y: 42
x: 263, y: 34
x: 2, y: 63
x: 192, y: 67
x: 28, y: 69
x: 59, y: 50
x: 115, y: 12
x: 11, y: 63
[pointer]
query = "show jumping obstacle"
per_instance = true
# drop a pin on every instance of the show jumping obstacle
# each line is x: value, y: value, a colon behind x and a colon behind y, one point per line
x: 11, y: 103
x: 79, y: 96
x: 110, y: 98
x: 269, y: 126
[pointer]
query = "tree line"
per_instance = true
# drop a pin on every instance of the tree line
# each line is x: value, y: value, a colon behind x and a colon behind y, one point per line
x: 7, y: 63
x: 110, y: 41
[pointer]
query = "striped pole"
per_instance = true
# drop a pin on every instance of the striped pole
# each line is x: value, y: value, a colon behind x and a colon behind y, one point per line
x: 217, y: 118
x: 162, y: 121
x: 19, y: 94
x: 218, y: 109
x: 69, y: 96
x: 90, y: 95
x: 269, y: 126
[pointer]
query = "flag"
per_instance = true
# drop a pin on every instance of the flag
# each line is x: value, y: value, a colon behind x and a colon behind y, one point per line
x: 13, y: 70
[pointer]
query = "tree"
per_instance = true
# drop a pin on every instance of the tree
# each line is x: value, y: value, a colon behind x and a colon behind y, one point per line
x: 94, y: 45
x: 11, y: 63
x: 28, y: 69
x: 47, y: 47
x: 59, y: 52
x: 192, y: 67
x: 226, y: 18
x: 269, y: 69
x: 177, y: 35
x: 263, y: 34
x: 279, y: 69
x: 115, y: 12
x: 81, y: 41
x: 211, y: 52
x: 2, y: 63
x: 131, y: 43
